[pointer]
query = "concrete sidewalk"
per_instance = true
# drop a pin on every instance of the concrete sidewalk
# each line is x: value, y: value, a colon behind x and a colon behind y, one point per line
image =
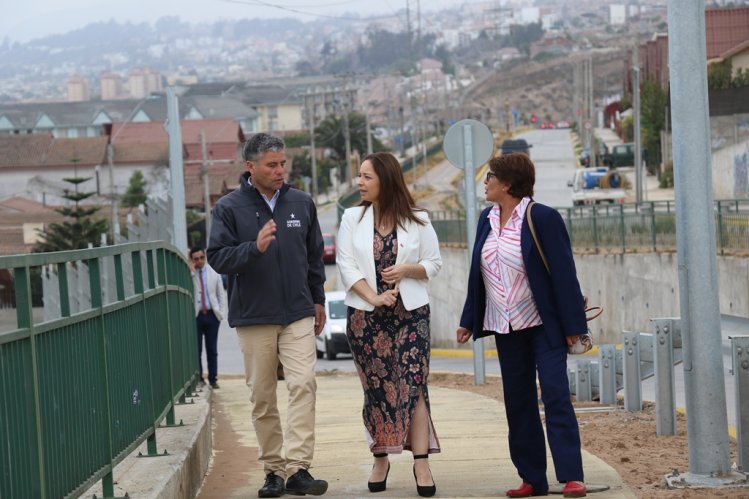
x: 472, y: 430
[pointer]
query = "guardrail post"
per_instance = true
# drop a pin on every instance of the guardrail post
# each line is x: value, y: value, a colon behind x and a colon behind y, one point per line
x: 595, y: 228
x: 584, y: 388
x: 622, y: 228
x: 632, y: 382
x: 719, y: 217
x: 652, y: 225
x: 663, y: 364
x: 740, y: 363
x: 607, y: 374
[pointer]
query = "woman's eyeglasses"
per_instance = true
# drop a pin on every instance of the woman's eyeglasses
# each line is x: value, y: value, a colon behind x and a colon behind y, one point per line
x: 490, y: 174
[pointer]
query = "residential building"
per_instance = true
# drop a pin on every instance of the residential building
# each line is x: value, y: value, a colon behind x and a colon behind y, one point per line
x: 111, y: 86
x: 78, y: 89
x: 143, y: 82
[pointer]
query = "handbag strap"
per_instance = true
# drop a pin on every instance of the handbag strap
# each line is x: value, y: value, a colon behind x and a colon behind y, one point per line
x: 596, y: 310
x: 535, y: 236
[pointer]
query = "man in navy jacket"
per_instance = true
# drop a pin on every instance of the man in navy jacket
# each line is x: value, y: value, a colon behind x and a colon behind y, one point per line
x: 266, y: 237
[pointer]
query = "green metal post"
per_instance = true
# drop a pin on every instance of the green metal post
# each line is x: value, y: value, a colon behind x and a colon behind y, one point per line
x: 62, y: 281
x: 622, y: 229
x: 652, y: 226
x: 119, y: 278
x: 94, y: 283
x: 25, y: 320
x: 164, y: 271
x: 595, y: 228
x: 721, y: 242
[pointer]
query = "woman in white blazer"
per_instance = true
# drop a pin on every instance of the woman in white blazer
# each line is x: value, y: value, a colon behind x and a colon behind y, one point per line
x: 387, y: 252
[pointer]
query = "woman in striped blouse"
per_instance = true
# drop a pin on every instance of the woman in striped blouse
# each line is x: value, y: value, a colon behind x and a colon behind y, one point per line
x: 534, y: 314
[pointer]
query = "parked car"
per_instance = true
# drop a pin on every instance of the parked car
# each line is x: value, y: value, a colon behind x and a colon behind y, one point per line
x: 604, y: 158
x: 328, y: 252
x: 332, y: 341
x: 510, y: 146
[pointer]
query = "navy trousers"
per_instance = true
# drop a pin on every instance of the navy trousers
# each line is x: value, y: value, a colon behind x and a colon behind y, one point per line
x: 521, y: 355
x: 208, y: 326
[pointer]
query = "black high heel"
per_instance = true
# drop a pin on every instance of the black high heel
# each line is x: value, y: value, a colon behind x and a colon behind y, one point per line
x: 424, y: 490
x: 379, y: 486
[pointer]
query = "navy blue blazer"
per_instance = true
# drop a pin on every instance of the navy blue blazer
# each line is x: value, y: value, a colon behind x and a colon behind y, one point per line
x: 557, y: 295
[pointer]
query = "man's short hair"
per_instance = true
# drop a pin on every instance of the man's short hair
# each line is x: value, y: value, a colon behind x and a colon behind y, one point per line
x: 261, y: 143
x: 193, y: 250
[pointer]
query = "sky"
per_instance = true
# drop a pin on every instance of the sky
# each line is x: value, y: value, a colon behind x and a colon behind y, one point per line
x: 29, y: 19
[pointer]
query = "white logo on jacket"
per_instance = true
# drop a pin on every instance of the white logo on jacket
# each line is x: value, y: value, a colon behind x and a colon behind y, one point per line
x: 293, y: 222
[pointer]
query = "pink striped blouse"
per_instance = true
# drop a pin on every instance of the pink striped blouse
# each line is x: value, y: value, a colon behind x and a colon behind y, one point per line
x: 509, y: 300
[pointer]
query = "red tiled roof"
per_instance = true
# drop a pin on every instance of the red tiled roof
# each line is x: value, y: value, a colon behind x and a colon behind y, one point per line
x: 23, y: 205
x: 155, y: 153
x: 725, y: 29
x: 44, y: 150
x: 216, y: 131
x: 220, y: 174
x: 82, y: 151
x: 23, y: 149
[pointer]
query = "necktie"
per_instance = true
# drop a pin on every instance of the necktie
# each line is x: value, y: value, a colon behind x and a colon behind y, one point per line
x: 202, y: 292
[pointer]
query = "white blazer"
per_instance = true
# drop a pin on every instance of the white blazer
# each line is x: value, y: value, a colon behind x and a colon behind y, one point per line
x: 355, y: 256
x: 216, y: 292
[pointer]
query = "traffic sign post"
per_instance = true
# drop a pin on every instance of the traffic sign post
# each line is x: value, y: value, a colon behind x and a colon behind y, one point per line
x: 469, y: 143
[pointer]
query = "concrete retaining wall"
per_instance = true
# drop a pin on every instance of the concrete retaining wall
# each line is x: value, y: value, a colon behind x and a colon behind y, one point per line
x: 632, y: 288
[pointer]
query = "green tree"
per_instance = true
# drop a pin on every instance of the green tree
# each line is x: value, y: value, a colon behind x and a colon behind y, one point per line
x: 302, y: 165
x: 80, y: 229
x: 719, y: 75
x: 136, y: 192
x: 653, y: 118
x: 522, y: 36
x: 330, y: 133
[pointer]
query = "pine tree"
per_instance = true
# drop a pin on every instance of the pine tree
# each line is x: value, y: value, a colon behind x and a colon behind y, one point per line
x: 80, y: 229
x: 136, y: 191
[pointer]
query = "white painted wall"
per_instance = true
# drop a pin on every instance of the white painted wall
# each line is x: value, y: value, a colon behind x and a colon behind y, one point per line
x: 46, y: 184
x: 731, y: 171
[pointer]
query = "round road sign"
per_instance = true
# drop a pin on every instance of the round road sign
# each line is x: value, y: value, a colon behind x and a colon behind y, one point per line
x: 468, y: 140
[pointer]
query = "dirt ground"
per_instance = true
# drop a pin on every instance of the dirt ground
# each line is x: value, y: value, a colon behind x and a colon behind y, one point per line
x: 627, y: 441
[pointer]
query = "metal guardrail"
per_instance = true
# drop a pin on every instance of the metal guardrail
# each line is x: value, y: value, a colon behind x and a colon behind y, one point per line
x: 625, y: 228
x: 83, y: 390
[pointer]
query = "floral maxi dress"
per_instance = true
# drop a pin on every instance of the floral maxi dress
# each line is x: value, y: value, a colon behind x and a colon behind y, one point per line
x: 390, y: 346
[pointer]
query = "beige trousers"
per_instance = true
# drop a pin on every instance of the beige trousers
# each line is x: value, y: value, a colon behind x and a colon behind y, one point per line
x: 294, y: 345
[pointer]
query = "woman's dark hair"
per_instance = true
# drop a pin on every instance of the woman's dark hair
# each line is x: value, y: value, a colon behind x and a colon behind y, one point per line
x: 396, y: 203
x: 517, y: 170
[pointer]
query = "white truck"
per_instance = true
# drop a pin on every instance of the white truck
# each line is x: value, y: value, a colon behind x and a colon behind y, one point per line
x: 596, y: 185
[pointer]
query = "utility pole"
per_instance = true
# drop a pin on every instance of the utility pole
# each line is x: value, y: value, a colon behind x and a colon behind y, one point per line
x: 206, y: 190
x: 403, y: 137
x: 704, y: 383
x: 310, y: 98
x: 176, y: 172
x: 115, y: 229
x: 638, y: 139
x: 347, y: 138
x: 369, y: 131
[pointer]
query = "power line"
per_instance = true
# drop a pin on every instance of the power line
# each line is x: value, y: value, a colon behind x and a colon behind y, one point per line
x: 307, y: 13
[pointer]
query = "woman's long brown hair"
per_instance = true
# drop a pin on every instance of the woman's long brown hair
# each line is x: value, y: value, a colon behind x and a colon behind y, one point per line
x: 396, y: 203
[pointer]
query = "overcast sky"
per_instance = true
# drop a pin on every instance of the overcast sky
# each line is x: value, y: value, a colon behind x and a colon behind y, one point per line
x: 28, y: 19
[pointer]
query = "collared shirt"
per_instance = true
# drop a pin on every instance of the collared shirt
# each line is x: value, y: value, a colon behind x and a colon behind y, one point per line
x: 203, y: 275
x: 270, y: 202
x: 509, y: 301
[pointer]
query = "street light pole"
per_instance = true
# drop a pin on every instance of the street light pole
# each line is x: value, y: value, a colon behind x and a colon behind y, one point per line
x: 704, y: 382
x: 638, y: 139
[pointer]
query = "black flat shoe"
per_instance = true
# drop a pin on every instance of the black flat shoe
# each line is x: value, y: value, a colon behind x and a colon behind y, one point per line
x: 424, y: 490
x: 379, y: 486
